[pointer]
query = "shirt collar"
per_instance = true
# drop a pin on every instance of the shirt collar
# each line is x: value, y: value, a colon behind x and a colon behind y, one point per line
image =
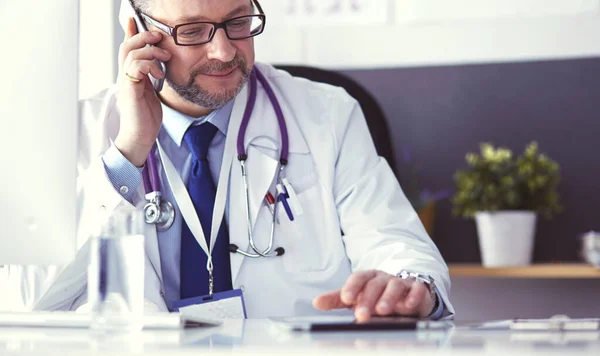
x: 176, y: 123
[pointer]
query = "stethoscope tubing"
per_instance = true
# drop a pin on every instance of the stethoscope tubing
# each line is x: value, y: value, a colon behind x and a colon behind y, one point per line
x: 152, y: 183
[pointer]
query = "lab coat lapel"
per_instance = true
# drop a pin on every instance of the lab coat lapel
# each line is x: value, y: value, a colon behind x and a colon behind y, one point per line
x: 260, y: 169
x: 262, y: 143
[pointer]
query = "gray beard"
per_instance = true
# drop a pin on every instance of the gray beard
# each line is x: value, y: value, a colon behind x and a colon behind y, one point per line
x: 195, y: 94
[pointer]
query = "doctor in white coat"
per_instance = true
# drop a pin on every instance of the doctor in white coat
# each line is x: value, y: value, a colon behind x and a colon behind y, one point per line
x: 357, y: 244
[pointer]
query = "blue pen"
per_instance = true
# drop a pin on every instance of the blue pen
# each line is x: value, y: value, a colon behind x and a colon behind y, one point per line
x: 282, y: 197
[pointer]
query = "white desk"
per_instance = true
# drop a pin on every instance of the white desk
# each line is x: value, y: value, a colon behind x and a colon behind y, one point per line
x: 259, y: 337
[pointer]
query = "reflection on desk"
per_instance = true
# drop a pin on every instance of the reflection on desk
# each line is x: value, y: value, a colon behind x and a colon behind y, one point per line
x: 264, y: 337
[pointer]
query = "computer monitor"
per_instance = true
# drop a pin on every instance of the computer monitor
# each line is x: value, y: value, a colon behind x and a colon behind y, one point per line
x: 39, y: 121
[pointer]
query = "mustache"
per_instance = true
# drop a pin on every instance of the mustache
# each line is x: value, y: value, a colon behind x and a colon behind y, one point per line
x: 219, y: 67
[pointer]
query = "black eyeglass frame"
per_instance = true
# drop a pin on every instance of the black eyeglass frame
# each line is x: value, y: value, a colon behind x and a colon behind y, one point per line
x: 172, y: 31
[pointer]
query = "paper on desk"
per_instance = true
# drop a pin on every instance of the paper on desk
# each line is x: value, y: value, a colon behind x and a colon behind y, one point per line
x: 231, y: 308
x: 492, y: 325
x: 69, y: 319
x: 558, y: 324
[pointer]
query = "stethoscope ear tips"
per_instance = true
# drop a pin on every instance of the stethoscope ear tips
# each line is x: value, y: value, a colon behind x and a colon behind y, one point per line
x: 280, y: 251
x: 233, y: 248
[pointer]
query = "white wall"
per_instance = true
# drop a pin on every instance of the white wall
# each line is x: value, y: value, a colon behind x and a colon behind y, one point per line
x: 3, y: 287
x: 429, y: 32
x: 98, y: 46
x: 386, y: 33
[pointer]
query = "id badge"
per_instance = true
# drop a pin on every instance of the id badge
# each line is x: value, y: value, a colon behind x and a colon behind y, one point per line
x: 223, y: 305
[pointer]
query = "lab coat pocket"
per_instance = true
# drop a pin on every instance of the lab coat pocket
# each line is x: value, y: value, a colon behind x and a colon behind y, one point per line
x: 307, y: 246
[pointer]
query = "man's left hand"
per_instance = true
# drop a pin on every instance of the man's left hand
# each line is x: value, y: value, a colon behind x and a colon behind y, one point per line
x: 371, y: 293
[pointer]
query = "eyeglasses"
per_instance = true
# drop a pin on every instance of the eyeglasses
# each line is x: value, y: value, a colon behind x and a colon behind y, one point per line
x: 199, y: 33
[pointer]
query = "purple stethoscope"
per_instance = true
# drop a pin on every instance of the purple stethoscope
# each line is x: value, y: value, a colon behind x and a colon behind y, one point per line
x: 161, y: 212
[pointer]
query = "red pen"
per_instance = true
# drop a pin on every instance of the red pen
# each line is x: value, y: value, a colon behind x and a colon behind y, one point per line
x: 270, y: 200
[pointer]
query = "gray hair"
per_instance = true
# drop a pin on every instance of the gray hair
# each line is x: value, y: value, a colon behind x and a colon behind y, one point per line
x: 142, y: 5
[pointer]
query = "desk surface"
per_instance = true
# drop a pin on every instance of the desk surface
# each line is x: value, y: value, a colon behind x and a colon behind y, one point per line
x: 261, y: 337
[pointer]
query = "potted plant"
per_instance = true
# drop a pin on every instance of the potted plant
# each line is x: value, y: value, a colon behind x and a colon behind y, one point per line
x: 422, y: 200
x: 505, y: 194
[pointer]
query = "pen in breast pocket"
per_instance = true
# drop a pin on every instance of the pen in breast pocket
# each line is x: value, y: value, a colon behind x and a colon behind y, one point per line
x: 270, y: 201
x: 282, y: 196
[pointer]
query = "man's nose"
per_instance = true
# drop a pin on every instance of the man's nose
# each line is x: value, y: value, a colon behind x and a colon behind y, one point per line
x: 221, y: 48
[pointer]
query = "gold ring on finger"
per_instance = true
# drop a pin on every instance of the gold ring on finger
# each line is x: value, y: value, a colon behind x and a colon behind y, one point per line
x: 133, y: 79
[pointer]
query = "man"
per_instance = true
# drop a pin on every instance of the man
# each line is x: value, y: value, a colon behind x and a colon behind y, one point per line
x: 354, y: 242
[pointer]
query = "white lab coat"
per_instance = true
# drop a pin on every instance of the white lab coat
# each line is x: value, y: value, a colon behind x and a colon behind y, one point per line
x: 355, y: 217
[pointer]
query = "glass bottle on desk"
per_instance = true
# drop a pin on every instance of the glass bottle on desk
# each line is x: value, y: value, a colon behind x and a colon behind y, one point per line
x: 116, y: 272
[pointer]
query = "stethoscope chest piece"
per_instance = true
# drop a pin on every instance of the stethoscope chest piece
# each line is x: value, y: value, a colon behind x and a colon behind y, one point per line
x: 160, y: 213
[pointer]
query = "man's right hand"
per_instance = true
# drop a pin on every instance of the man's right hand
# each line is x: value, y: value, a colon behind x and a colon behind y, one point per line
x: 140, y: 109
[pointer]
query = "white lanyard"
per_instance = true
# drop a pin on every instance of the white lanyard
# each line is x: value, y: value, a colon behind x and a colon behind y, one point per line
x: 182, y: 196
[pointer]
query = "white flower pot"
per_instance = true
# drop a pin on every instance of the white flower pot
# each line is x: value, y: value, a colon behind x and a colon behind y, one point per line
x: 506, y: 237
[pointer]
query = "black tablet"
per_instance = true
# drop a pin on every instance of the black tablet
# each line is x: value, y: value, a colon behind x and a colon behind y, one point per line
x: 346, y: 323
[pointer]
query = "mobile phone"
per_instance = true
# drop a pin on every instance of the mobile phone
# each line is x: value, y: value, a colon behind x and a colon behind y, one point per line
x: 156, y: 83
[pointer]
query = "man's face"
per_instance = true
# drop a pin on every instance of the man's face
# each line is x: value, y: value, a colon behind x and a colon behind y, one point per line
x: 211, y: 74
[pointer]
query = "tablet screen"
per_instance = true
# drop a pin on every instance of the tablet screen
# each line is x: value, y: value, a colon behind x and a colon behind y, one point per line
x: 342, y: 323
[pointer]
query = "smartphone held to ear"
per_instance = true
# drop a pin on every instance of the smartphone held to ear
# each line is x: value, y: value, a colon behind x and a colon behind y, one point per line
x: 156, y: 83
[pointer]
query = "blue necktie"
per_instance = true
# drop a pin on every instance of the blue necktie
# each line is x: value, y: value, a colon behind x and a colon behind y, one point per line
x: 193, y: 273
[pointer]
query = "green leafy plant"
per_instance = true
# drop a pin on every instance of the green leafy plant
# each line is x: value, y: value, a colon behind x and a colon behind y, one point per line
x: 496, y: 180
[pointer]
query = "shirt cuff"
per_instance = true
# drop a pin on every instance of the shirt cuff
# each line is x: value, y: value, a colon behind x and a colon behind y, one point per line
x: 123, y: 175
x: 439, y: 311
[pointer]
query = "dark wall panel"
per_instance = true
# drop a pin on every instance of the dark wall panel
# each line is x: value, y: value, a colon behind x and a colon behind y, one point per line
x: 445, y: 112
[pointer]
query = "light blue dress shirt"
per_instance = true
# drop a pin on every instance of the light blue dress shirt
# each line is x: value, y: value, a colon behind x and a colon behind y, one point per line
x: 126, y: 179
